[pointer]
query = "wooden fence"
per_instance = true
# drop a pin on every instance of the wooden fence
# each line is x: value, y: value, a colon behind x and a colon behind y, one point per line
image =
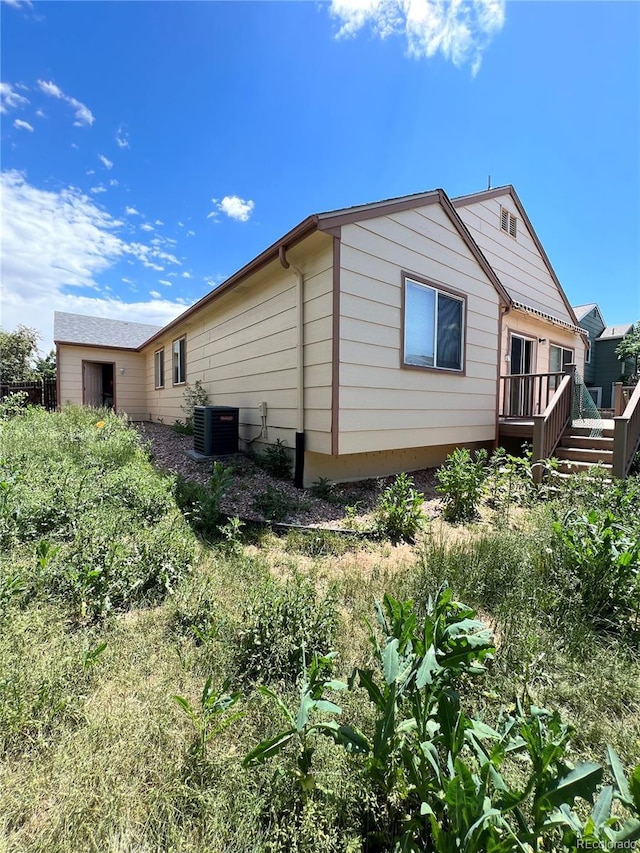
x: 42, y: 393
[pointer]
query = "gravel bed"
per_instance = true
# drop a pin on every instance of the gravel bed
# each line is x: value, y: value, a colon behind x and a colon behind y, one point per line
x: 168, y: 450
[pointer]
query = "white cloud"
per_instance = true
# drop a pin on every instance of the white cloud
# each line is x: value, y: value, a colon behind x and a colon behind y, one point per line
x: 17, y: 4
x: 122, y: 138
x: 155, y: 294
x: 105, y: 161
x: 234, y: 207
x: 40, y: 113
x: 98, y: 189
x: 10, y: 99
x: 23, y: 125
x: 159, y: 222
x: 131, y: 211
x: 191, y: 233
x: 114, y: 182
x: 83, y: 114
x: 459, y: 29
x: 126, y: 280
x: 165, y: 282
x: 55, y: 242
x: 146, y: 227
x: 186, y: 274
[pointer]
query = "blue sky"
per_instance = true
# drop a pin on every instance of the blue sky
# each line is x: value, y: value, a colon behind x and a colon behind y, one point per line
x: 150, y: 149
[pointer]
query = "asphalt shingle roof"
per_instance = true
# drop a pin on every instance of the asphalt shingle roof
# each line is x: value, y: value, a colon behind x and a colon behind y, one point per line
x: 615, y: 331
x: 100, y: 331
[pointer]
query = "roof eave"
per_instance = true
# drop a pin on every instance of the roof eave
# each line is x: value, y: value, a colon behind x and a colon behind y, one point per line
x: 302, y: 230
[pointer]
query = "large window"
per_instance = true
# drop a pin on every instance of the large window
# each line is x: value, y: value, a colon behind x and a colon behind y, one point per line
x: 158, y: 360
x: 179, y: 361
x: 433, y: 327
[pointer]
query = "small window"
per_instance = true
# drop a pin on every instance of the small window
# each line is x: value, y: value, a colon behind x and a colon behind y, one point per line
x: 587, y: 355
x: 159, y: 368
x: 433, y: 324
x: 179, y: 361
x: 508, y: 222
x: 558, y: 357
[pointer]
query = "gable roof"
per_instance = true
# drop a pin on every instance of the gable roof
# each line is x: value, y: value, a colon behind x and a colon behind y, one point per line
x: 613, y: 332
x: 330, y: 222
x: 473, y: 198
x: 100, y: 331
x: 581, y: 311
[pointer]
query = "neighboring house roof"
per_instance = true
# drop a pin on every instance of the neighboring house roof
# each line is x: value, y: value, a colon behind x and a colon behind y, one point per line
x: 521, y: 298
x: 581, y: 311
x: 100, y: 331
x: 613, y: 332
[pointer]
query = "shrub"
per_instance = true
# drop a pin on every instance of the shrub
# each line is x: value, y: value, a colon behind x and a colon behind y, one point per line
x: 324, y: 490
x: 201, y: 504
x: 273, y: 504
x: 193, y: 395
x: 399, y: 515
x: 276, y: 461
x: 604, y: 557
x: 460, y: 481
x: 285, y: 621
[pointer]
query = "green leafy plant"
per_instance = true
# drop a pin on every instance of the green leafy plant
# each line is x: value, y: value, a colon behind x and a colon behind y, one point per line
x: 212, y: 717
x: 604, y: 555
x: 13, y: 404
x: 301, y: 727
x: 274, y: 504
x: 201, y: 505
x: 460, y: 482
x: 283, y: 619
x: 399, y: 514
x: 193, y: 395
x: 275, y: 459
x: 324, y: 490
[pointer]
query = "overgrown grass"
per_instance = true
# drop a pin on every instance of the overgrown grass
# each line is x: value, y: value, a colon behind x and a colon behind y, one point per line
x: 95, y: 753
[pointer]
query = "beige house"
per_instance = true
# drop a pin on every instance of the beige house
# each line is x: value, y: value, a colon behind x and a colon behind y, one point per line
x: 370, y: 340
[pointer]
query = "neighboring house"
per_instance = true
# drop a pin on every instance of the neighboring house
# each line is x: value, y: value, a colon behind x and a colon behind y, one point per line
x: 372, y: 339
x: 603, y: 367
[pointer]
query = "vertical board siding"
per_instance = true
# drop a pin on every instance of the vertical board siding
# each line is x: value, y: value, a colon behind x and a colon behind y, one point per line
x: 242, y: 347
x: 384, y: 406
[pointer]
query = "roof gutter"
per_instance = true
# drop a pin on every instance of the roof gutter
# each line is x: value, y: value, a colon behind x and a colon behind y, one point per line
x: 272, y: 253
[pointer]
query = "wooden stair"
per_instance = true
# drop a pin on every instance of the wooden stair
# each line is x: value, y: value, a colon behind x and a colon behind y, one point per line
x: 579, y: 451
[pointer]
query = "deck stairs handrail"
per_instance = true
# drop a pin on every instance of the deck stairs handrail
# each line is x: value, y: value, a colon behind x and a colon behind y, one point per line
x: 549, y: 427
x: 626, y: 435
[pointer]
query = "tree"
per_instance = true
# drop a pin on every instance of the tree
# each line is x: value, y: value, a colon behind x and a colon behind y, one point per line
x: 45, y: 368
x: 17, y: 351
x: 629, y: 347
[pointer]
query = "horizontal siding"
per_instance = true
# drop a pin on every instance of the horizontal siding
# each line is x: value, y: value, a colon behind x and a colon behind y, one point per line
x: 243, y: 349
x: 517, y: 261
x: 530, y: 326
x: 129, y: 387
x: 383, y: 405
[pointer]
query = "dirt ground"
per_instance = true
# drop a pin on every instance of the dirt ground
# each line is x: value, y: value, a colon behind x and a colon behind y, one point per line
x: 351, y: 506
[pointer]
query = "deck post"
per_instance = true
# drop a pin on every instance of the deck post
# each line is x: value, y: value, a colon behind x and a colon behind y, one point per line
x: 618, y: 401
x: 620, y: 435
x: 538, y: 445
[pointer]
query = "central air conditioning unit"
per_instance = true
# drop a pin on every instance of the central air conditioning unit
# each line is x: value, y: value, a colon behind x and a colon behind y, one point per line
x: 215, y: 430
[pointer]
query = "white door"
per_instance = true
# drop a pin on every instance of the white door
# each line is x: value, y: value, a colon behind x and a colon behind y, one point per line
x: 92, y: 384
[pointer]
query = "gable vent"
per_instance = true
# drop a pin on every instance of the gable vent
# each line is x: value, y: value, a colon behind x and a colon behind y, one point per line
x: 508, y: 222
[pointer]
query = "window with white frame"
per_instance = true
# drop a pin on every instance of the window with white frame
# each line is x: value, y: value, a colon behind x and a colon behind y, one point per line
x: 508, y: 222
x: 433, y: 327
x: 558, y: 357
x: 179, y: 361
x: 159, y: 368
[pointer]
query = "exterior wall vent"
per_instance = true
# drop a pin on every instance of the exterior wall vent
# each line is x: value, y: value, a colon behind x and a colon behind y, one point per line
x: 508, y: 222
x: 215, y: 430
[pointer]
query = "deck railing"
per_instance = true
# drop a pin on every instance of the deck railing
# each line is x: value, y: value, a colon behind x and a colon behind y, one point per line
x: 549, y: 426
x: 626, y: 435
x: 523, y: 395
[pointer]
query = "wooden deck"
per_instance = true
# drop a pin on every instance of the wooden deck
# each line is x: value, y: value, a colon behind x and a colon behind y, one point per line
x: 523, y: 427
